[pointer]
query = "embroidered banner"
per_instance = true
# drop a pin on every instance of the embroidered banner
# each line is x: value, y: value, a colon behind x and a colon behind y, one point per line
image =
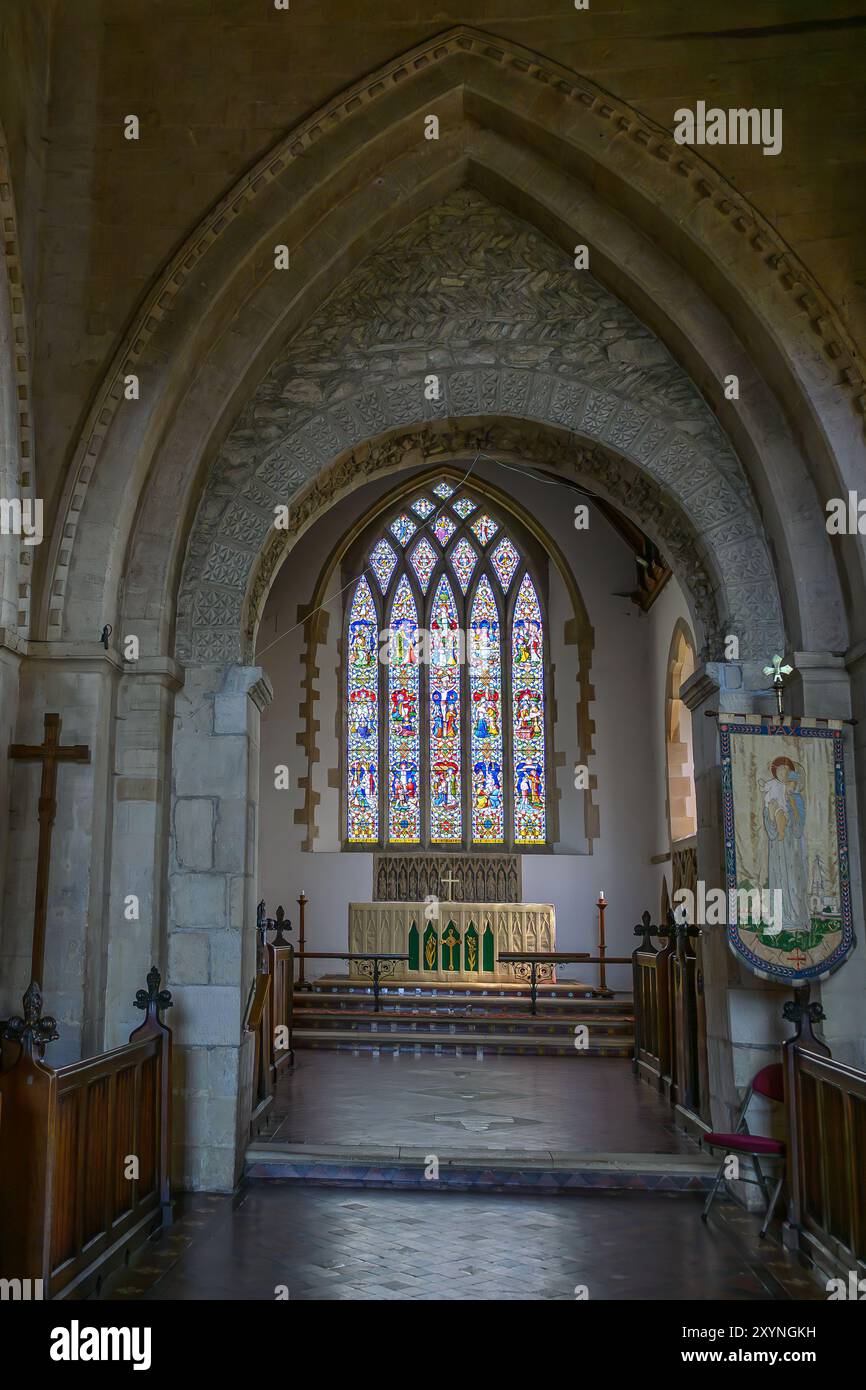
x: 786, y: 834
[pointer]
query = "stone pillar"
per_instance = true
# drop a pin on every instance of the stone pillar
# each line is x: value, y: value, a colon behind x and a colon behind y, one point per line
x: 744, y: 1024
x: 10, y: 662
x: 137, y: 932
x: 821, y: 688
x: 856, y: 783
x: 211, y: 922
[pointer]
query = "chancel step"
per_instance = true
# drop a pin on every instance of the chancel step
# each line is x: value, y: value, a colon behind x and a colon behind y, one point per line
x: 399, y: 1166
x: 499, y: 989
x: 426, y: 1040
x: 444, y: 1021
x: 338, y: 1014
x: 471, y: 1005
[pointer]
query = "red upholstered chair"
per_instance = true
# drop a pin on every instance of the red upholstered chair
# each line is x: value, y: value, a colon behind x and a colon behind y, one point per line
x: 768, y: 1082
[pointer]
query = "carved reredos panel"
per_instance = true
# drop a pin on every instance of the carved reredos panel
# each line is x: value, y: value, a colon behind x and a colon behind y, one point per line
x: 479, y: 878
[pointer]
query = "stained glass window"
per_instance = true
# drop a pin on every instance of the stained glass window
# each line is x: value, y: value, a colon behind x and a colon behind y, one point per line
x: 382, y: 562
x: 403, y: 527
x: 485, y: 701
x: 505, y: 560
x: 527, y: 713
x: 404, y: 744
x: 442, y: 726
x: 363, y: 718
x: 423, y: 559
x: 463, y: 559
x: 463, y: 507
x: 444, y: 529
x: 446, y: 789
x: 485, y: 528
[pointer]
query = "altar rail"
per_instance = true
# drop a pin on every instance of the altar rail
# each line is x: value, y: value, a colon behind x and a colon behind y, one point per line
x: 826, y: 1159
x: 462, y: 941
x: 71, y: 1204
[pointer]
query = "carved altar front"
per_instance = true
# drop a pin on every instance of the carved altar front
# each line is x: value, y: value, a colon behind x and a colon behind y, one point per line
x: 455, y: 941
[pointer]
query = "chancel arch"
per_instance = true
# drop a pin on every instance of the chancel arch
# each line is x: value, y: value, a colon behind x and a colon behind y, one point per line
x: 296, y: 388
x: 733, y: 239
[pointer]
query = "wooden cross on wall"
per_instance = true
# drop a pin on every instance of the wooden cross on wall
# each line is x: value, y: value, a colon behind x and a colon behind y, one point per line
x: 50, y: 752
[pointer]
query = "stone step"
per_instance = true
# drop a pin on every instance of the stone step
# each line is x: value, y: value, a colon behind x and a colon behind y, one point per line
x: 405, y: 1039
x: 399, y: 1166
x: 442, y: 1024
x: 502, y: 989
x: 393, y: 1001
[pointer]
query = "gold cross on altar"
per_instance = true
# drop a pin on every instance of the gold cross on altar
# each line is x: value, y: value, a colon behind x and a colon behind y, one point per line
x: 450, y: 880
x: 451, y: 939
x: 50, y: 752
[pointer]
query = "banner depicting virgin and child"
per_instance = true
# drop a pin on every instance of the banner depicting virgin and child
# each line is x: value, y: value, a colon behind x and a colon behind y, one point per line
x: 786, y: 835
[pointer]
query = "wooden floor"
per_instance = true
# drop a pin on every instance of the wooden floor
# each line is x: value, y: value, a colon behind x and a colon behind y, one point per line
x: 505, y: 1104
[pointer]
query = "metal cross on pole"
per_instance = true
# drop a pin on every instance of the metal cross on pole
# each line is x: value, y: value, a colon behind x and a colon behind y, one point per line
x: 49, y: 753
x: 778, y: 672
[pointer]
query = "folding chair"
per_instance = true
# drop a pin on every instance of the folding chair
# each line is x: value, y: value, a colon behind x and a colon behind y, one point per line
x: 769, y: 1083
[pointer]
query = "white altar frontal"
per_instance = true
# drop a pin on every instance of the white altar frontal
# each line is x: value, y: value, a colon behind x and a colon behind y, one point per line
x: 450, y: 941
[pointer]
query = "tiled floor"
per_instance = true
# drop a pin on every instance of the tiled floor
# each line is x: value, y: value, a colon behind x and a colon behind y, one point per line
x: 506, y: 1103
x: 340, y: 1243
x: 321, y: 1244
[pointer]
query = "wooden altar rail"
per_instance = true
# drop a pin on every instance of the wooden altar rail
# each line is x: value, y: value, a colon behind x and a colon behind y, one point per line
x: 826, y: 1159
x: 270, y: 1016
x: 71, y: 1204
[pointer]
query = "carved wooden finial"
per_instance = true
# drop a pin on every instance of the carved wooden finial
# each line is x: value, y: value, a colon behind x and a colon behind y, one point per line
x: 804, y: 1014
x: 153, y: 999
x: 281, y: 924
x: 644, y: 930
x: 32, y: 1031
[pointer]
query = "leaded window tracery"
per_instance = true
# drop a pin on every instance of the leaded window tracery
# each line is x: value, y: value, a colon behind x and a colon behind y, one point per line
x: 446, y: 738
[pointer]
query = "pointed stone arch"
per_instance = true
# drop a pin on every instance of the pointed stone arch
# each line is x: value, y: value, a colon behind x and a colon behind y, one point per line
x: 143, y: 502
x: 532, y: 135
x: 510, y: 331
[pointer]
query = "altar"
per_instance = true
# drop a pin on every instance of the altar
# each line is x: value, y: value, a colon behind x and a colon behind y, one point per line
x: 450, y: 941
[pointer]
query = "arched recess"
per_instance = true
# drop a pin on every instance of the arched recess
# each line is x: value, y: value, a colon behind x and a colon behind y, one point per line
x: 670, y: 238
x: 679, y: 741
x: 579, y: 629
